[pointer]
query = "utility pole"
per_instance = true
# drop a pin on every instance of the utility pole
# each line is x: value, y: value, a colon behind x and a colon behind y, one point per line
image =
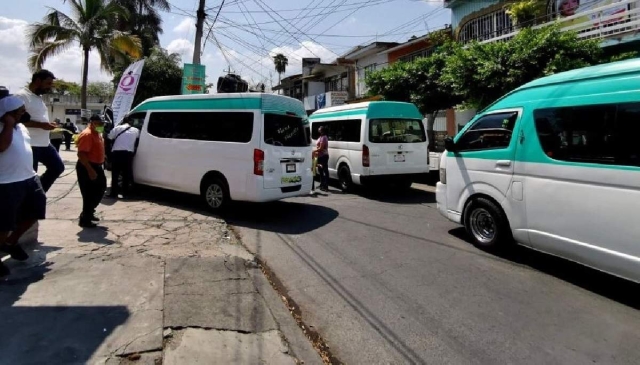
x: 199, y: 30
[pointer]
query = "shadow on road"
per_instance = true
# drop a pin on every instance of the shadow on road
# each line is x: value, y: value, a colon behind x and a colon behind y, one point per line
x: 406, y: 196
x: 279, y: 217
x: 612, y: 287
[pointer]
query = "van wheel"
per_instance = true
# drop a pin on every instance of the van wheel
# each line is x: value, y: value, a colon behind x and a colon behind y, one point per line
x: 344, y: 177
x: 215, y: 194
x: 487, y: 225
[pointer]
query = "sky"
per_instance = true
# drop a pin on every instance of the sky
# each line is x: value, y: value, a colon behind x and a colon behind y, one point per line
x: 246, y: 34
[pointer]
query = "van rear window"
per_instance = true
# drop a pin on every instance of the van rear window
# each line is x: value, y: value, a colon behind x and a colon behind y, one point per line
x: 284, y: 130
x: 396, y: 131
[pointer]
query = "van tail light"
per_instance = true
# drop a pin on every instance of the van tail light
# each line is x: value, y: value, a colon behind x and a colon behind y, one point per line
x: 365, y: 156
x: 258, y: 162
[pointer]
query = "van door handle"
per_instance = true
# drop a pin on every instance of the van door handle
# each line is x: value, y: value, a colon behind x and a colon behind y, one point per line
x: 503, y: 163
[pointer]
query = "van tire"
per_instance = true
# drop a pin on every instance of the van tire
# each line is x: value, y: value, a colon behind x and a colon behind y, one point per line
x: 487, y: 225
x: 215, y: 194
x: 344, y: 177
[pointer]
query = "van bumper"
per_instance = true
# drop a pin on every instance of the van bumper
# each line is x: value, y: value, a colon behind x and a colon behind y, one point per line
x: 441, y: 202
x: 261, y: 195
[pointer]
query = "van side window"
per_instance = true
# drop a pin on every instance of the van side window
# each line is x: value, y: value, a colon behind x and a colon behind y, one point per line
x: 136, y: 120
x: 603, y: 134
x: 347, y: 130
x: 202, y: 126
x: 492, y: 131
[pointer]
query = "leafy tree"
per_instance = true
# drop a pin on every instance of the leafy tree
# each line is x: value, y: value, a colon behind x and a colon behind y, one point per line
x: 91, y: 25
x: 523, y: 13
x: 63, y: 87
x: 481, y: 73
x: 161, y: 75
x: 419, y: 82
x: 281, y: 62
x: 102, y: 89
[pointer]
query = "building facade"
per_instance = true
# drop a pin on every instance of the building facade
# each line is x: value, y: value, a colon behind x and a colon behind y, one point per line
x: 367, y: 59
x: 614, y: 22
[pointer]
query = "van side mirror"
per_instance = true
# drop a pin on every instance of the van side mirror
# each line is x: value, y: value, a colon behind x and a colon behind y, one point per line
x: 449, y: 144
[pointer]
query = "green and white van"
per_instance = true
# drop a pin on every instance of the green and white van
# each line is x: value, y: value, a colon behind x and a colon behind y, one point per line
x: 374, y: 141
x: 555, y: 165
x: 240, y: 146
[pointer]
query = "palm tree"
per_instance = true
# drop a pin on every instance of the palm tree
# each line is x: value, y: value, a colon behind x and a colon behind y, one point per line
x: 281, y: 62
x: 144, y: 22
x: 92, y: 26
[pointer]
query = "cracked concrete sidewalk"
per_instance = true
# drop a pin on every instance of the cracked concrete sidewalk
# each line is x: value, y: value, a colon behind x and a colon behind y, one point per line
x: 153, y: 284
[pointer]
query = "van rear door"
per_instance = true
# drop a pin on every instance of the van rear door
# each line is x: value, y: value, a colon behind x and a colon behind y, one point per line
x: 397, y: 146
x: 287, y: 155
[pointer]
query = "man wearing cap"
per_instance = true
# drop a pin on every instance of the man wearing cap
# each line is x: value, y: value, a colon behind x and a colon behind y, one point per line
x: 22, y: 198
x: 91, y: 178
x: 39, y: 127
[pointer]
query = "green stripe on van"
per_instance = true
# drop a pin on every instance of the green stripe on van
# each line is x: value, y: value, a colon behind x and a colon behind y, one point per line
x: 341, y: 113
x: 189, y: 104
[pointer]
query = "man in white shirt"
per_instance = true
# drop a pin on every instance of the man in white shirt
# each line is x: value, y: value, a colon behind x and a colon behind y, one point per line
x: 124, y: 141
x: 22, y: 199
x: 39, y: 127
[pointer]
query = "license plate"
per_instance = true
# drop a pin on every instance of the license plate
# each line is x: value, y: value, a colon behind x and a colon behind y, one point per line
x: 398, y: 158
x: 291, y: 167
x: 291, y: 179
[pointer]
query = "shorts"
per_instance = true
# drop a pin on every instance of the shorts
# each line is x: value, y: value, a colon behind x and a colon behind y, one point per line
x: 21, y: 201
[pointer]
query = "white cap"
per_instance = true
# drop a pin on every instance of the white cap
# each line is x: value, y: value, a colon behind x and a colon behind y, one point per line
x: 9, y: 104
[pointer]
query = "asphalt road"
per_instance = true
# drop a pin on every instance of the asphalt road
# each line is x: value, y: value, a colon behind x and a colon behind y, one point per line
x: 385, y: 279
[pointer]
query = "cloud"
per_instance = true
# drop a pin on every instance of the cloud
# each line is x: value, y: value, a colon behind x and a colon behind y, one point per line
x: 14, y: 48
x: 181, y: 46
x: 186, y: 25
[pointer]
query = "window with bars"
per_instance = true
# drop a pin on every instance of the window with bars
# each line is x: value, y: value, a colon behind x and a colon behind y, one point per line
x: 420, y: 54
x: 486, y: 27
x: 337, y: 83
x: 369, y: 69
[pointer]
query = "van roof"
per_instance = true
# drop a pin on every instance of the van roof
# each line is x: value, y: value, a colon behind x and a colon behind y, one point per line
x: 598, y: 72
x: 268, y: 103
x: 591, y: 72
x: 372, y: 110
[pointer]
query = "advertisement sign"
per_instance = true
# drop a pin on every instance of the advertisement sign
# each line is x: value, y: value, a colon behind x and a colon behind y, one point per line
x: 574, y: 8
x: 193, y: 79
x: 127, y: 86
x: 338, y: 98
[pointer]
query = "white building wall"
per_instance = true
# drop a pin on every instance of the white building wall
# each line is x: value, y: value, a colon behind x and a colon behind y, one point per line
x: 380, y: 60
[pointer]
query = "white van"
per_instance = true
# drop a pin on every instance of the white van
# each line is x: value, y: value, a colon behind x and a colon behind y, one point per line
x: 374, y: 141
x: 242, y: 146
x: 554, y: 165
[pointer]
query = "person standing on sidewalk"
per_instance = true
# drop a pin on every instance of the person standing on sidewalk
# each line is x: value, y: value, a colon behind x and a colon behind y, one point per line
x: 21, y: 196
x: 125, y: 138
x: 70, y: 130
x: 39, y: 127
x: 91, y: 178
x: 322, y: 151
x: 57, y: 135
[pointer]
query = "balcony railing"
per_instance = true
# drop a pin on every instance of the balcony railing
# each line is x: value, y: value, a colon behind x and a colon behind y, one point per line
x: 597, y: 25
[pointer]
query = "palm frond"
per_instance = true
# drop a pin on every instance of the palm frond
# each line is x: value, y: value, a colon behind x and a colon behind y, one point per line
x: 39, y: 33
x: 126, y: 43
x: 42, y: 51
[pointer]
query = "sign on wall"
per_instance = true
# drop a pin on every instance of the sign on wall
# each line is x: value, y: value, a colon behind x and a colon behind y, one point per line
x: 570, y: 8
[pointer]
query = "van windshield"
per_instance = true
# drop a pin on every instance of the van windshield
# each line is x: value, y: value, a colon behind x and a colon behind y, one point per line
x: 396, y: 131
x: 284, y: 130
